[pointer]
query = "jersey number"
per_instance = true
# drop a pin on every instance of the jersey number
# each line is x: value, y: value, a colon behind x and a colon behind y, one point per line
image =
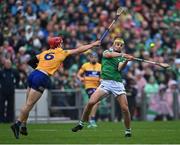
x: 49, y: 56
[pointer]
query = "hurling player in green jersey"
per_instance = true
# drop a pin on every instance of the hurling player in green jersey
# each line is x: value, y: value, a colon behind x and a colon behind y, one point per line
x: 113, y: 61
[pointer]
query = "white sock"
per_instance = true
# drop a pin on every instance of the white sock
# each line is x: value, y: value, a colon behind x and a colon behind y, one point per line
x: 81, y: 123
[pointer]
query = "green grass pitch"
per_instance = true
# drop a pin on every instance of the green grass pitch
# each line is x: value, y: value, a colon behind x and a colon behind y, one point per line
x: 106, y: 133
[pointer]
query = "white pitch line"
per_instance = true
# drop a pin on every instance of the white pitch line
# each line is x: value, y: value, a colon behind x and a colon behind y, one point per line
x: 45, y: 130
x: 69, y: 130
x: 94, y: 129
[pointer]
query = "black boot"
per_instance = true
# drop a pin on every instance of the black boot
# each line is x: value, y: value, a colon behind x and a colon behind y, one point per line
x: 15, y: 129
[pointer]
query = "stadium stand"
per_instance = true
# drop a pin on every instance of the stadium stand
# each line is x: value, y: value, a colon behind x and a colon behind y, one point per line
x: 150, y: 30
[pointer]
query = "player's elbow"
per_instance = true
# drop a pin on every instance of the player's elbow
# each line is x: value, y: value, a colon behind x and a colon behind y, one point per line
x: 91, y: 103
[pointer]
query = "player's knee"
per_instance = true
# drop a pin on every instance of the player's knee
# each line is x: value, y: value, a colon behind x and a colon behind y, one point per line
x: 98, y: 103
x: 124, y: 108
x: 91, y: 103
x: 24, y: 110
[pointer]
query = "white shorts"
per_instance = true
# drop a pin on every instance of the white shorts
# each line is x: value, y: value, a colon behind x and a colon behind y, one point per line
x: 113, y: 87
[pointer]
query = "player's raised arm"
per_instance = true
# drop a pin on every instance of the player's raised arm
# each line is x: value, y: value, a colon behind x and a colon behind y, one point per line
x: 84, y: 48
x: 109, y: 54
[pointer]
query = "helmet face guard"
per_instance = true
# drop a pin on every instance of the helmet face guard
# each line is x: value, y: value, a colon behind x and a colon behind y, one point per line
x: 54, y: 42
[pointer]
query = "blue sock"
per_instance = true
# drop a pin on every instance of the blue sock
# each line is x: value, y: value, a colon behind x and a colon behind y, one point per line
x: 93, y: 118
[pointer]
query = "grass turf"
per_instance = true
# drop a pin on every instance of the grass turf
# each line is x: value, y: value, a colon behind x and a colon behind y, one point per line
x: 106, y: 133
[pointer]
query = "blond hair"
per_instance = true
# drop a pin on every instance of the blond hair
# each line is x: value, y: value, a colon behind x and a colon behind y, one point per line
x: 119, y: 40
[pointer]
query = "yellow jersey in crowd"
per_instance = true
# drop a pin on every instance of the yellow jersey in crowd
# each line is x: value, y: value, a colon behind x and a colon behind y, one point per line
x: 91, y: 73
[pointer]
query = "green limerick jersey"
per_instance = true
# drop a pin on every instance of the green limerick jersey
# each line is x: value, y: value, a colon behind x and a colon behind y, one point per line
x: 109, y: 70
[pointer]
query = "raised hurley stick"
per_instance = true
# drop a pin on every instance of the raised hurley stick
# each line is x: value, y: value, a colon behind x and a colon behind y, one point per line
x: 121, y: 10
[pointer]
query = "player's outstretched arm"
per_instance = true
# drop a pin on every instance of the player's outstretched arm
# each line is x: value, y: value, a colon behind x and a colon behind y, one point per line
x: 84, y: 48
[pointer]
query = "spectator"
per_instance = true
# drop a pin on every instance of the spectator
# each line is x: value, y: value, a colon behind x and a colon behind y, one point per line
x: 131, y: 96
x: 169, y: 96
x: 151, y: 88
x: 9, y: 79
x: 159, y: 104
x: 140, y: 84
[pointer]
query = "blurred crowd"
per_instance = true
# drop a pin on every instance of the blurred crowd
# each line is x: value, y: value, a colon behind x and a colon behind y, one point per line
x: 151, y: 30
